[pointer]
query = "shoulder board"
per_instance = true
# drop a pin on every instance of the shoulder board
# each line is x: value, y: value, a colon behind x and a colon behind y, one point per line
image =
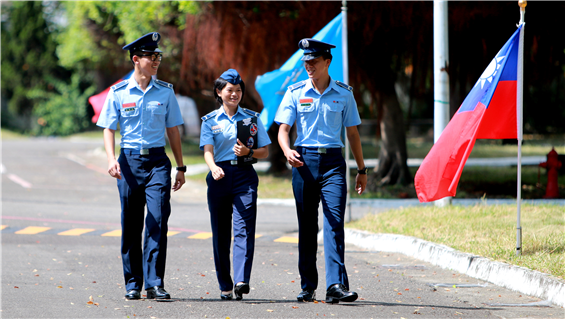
x: 248, y: 111
x: 209, y: 115
x: 345, y: 86
x: 120, y: 85
x: 297, y: 85
x: 163, y: 83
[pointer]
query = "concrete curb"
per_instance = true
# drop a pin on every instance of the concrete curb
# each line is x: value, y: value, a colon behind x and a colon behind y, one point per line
x: 526, y: 281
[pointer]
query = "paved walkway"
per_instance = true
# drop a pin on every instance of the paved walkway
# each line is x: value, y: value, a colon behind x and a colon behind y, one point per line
x: 520, y: 279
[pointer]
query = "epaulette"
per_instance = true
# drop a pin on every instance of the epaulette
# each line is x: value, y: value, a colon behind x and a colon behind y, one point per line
x: 209, y: 115
x: 345, y: 86
x: 248, y: 111
x: 297, y: 85
x: 163, y: 83
x: 120, y: 85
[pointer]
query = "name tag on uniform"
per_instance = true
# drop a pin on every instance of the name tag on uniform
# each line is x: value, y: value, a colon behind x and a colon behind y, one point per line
x: 306, y: 102
x: 217, y: 128
x: 128, y: 106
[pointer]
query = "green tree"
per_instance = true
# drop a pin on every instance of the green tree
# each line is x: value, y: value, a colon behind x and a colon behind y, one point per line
x: 97, y: 31
x: 28, y: 57
x: 62, y: 111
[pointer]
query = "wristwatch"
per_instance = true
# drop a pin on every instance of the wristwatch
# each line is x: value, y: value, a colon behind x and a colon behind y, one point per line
x: 250, y: 155
x: 181, y: 168
x: 362, y: 171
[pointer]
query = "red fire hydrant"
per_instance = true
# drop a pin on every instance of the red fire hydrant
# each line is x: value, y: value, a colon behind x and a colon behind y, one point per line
x: 552, y: 165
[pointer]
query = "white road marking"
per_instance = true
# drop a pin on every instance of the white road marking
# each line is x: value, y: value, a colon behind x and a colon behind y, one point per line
x: 18, y: 180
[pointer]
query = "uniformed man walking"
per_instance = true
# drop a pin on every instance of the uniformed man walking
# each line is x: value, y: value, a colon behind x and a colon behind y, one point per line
x: 320, y: 106
x: 145, y: 108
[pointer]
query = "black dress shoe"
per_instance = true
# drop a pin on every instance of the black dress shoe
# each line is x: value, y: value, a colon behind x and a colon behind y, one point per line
x: 157, y: 293
x: 338, y: 292
x: 133, y: 294
x: 227, y: 296
x: 240, y: 289
x: 307, y: 295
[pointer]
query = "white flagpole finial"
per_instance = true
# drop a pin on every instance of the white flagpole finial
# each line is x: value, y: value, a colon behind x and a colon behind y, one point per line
x: 522, y: 4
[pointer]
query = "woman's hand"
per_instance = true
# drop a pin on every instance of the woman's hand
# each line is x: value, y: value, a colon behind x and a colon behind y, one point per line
x: 239, y: 149
x: 217, y: 173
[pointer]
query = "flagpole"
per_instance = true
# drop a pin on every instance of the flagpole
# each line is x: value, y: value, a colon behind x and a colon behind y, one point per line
x: 519, y: 118
x: 441, y: 76
x: 346, y: 80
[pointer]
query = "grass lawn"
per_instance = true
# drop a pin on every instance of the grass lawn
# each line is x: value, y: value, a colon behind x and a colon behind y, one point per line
x: 488, y: 231
x: 10, y: 135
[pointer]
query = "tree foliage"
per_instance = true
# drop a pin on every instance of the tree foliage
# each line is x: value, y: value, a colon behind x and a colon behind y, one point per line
x: 98, y: 30
x: 61, y: 111
x: 28, y: 58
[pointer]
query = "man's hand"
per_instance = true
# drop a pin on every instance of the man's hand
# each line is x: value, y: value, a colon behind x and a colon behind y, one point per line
x: 360, y: 183
x: 240, y: 150
x: 179, y: 181
x: 292, y: 157
x: 114, y: 169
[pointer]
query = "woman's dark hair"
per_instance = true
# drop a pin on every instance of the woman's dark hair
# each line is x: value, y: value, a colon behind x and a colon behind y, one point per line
x: 220, y: 84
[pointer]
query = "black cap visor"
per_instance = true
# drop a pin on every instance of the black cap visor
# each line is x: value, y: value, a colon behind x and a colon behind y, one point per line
x: 147, y: 49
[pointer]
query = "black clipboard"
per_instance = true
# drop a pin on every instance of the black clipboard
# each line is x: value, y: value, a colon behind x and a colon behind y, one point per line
x: 247, y: 133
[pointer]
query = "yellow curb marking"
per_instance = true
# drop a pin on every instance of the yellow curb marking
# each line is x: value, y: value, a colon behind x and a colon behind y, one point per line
x: 76, y: 231
x: 292, y: 240
x: 30, y: 230
x: 113, y: 233
x: 202, y: 235
x: 172, y: 233
x: 3, y: 226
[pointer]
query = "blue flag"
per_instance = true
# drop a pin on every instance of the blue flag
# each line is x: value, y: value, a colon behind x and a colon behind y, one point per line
x: 272, y: 86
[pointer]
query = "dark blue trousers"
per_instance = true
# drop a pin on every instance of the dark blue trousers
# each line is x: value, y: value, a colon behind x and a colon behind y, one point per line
x: 146, y: 180
x: 321, y: 177
x: 235, y: 195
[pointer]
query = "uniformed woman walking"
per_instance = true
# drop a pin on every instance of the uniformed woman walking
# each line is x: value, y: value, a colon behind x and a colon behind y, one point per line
x: 232, y: 181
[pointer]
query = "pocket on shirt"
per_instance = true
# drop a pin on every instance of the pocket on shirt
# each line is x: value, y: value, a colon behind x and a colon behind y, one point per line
x: 305, y: 109
x: 306, y: 116
x: 333, y: 114
x: 156, y: 108
x: 130, y: 111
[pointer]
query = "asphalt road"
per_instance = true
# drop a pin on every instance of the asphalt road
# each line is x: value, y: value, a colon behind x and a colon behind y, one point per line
x: 61, y: 255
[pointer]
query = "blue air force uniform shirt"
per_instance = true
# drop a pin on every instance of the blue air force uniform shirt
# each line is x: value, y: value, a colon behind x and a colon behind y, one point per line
x: 221, y: 132
x: 319, y: 117
x: 142, y: 116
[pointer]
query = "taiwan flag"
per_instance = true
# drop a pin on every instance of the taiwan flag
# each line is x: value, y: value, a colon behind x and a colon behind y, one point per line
x: 272, y: 86
x: 97, y: 101
x: 489, y: 111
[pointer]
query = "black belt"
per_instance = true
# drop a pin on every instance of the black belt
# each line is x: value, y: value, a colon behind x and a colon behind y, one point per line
x: 233, y: 163
x: 319, y: 150
x: 144, y: 151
